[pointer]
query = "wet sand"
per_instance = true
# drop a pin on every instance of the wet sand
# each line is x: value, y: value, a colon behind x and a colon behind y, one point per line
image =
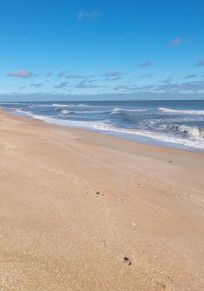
x: 85, y: 211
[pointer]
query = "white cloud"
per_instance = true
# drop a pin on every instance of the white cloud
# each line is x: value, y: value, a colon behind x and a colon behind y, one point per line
x: 176, y: 41
x: 145, y: 64
x: 112, y: 75
x: 20, y: 74
x: 88, y: 14
x: 74, y: 76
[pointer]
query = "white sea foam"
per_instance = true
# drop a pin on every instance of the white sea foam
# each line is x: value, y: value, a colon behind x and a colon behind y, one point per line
x: 27, y: 113
x: 66, y: 112
x: 123, y: 110
x: 92, y: 111
x: 192, y: 137
x: 191, y: 112
x: 85, y: 112
x: 52, y: 120
x: 69, y: 105
x: 64, y: 122
x: 61, y: 105
x: 191, y: 131
x: 163, y: 137
x: 58, y: 105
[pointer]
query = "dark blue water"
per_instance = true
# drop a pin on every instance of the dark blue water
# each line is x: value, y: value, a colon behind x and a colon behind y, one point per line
x: 174, y: 123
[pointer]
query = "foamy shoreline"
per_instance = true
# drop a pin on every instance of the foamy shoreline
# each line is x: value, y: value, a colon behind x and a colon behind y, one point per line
x: 194, y: 140
x: 77, y: 207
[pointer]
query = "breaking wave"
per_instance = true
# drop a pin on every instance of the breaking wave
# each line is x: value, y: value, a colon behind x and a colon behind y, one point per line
x: 191, y: 112
x: 159, y: 136
x: 124, y: 110
x: 148, y: 121
x: 56, y: 105
x: 66, y: 112
x: 191, y: 132
x: 69, y: 105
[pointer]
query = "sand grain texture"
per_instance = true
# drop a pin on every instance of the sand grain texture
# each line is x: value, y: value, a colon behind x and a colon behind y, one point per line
x: 77, y: 207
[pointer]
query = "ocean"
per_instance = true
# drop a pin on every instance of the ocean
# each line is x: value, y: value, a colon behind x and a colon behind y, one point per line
x: 168, y: 123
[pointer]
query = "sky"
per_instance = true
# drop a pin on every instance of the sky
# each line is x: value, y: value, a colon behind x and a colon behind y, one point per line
x: 101, y: 49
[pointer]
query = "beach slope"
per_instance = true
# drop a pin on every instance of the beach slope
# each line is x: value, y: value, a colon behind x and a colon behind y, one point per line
x: 85, y: 211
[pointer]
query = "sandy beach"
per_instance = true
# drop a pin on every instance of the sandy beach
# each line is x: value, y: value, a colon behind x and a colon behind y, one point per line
x: 85, y: 211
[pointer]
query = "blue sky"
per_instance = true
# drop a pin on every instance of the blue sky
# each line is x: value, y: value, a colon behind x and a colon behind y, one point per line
x: 101, y: 49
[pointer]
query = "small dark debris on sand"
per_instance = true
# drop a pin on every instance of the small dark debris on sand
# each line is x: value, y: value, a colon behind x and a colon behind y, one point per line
x: 162, y: 285
x: 170, y: 162
x: 127, y: 260
x: 97, y: 193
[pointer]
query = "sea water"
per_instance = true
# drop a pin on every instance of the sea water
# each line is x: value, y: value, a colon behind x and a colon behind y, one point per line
x: 170, y: 123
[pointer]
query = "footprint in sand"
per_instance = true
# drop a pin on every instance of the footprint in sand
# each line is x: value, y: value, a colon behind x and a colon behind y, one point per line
x: 127, y: 260
x: 98, y: 193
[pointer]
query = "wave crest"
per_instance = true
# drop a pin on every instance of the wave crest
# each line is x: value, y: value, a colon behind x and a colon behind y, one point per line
x: 66, y: 112
x: 177, y: 111
x: 192, y: 132
x: 118, y: 110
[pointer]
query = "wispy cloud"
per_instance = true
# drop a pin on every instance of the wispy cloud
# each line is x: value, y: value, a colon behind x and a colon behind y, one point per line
x: 87, y: 83
x: 176, y: 41
x: 145, y: 64
x: 146, y: 76
x: 112, y: 75
x: 201, y: 62
x: 48, y: 75
x: 184, y: 87
x: 165, y: 87
x: 75, y: 76
x: 61, y: 74
x: 190, y: 76
x: 93, y: 14
x: 20, y: 74
x: 166, y: 81
x: 61, y: 85
x: 88, y: 86
x: 36, y: 85
x: 123, y: 88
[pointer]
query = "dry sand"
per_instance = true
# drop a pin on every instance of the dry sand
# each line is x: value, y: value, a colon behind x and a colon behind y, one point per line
x: 85, y: 211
